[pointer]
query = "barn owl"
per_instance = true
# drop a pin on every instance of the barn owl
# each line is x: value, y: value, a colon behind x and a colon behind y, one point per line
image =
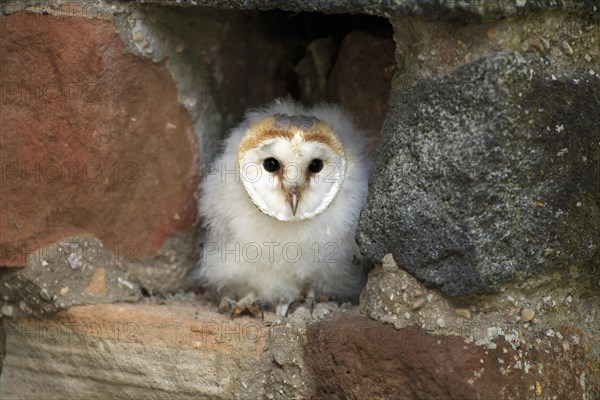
x: 280, y: 208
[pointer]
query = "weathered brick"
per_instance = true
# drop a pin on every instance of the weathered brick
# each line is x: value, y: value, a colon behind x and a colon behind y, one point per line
x: 357, y: 358
x: 133, y: 351
x: 93, y: 140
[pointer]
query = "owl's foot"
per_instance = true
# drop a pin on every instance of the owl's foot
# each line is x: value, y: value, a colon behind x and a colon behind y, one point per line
x: 308, y: 298
x: 249, y: 304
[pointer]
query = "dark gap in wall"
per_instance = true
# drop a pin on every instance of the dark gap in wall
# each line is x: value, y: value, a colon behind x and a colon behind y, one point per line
x: 329, y: 30
x: 313, y: 57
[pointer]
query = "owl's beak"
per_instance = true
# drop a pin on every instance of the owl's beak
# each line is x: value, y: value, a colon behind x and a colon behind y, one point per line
x: 294, y: 203
x: 293, y: 195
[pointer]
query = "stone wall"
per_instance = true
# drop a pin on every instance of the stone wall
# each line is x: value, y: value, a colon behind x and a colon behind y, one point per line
x: 483, y: 216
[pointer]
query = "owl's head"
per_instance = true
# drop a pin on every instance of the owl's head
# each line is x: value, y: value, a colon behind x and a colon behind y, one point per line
x: 292, y: 167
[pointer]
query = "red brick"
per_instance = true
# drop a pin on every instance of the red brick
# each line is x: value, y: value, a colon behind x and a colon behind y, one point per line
x: 73, y: 102
x: 357, y: 358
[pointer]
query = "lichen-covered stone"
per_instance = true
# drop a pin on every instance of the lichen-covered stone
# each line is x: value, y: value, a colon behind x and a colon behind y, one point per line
x: 488, y: 174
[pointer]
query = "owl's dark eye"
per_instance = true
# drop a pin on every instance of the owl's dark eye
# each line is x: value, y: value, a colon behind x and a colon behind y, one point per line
x: 315, y: 166
x: 271, y: 165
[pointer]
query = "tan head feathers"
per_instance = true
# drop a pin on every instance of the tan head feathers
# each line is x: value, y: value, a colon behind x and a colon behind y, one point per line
x: 281, y: 125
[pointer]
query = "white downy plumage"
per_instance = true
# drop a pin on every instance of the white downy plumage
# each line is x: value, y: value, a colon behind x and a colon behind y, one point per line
x: 257, y: 245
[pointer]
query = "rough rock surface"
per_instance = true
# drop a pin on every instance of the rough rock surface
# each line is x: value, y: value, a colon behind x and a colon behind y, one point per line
x: 489, y: 173
x: 130, y: 351
x: 360, y: 52
x: 445, y: 9
x: 329, y: 74
x: 182, y: 348
x: 75, y: 271
x: 176, y: 347
x: 84, y: 150
x: 81, y: 270
x: 356, y: 358
x: 560, y: 299
x: 511, y: 356
x: 314, y: 69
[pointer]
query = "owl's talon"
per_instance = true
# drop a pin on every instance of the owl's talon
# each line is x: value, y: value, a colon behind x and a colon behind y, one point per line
x: 230, y: 306
x: 288, y: 308
x: 310, y: 299
x: 247, y: 305
x: 311, y: 303
x: 261, y: 307
x: 230, y: 309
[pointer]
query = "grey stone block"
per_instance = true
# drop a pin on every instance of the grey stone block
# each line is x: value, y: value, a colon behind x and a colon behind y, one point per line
x: 489, y: 174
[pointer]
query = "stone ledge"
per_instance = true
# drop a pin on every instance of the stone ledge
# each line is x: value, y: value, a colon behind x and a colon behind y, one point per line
x: 186, y: 350
x: 130, y: 350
